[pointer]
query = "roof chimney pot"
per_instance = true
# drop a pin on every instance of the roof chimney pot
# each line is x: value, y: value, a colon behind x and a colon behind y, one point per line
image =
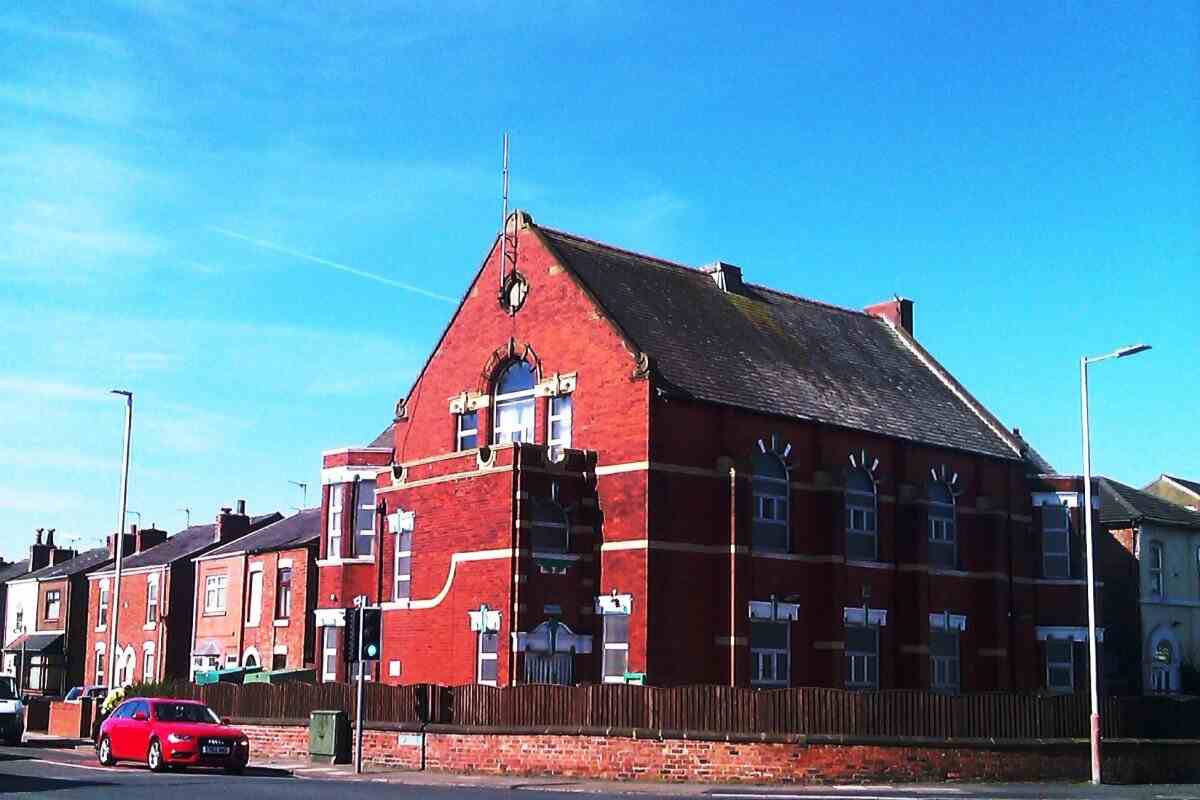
x: 727, y: 277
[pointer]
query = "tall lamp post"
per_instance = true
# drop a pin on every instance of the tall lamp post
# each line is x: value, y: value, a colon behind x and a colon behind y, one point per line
x: 1093, y: 673
x: 116, y: 606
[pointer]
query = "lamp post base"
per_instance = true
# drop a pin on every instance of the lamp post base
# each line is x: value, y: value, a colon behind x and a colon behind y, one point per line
x: 1096, y: 749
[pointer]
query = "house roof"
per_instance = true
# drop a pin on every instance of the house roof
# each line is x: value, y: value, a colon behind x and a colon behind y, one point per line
x: 385, y: 438
x: 45, y: 643
x: 13, y: 570
x: 774, y: 353
x: 1191, y: 486
x: 294, y: 531
x: 1121, y: 504
x: 188, y: 542
x: 84, y: 562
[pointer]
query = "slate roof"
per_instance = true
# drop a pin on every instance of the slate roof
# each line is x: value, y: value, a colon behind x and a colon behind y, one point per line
x: 294, y: 531
x: 13, y: 570
x: 775, y: 353
x: 385, y: 437
x: 1121, y: 505
x: 188, y: 542
x: 84, y: 562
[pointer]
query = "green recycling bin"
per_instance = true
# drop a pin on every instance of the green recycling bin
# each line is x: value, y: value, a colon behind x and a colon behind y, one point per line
x: 328, y: 737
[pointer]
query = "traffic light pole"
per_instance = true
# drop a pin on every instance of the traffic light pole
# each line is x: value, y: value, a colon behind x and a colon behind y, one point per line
x: 361, y: 602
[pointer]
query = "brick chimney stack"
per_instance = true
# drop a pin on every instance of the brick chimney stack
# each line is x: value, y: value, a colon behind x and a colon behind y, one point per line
x: 127, y: 547
x: 898, y: 311
x: 232, y: 526
x: 39, y: 553
x: 147, y: 538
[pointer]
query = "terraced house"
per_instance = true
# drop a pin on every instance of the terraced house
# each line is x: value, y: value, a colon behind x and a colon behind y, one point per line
x: 153, y: 635
x: 617, y: 468
x: 255, y: 596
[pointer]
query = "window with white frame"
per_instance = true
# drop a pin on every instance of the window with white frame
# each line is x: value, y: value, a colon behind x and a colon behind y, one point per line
x: 862, y: 657
x: 19, y: 620
x: 770, y: 653
x: 334, y: 548
x: 102, y: 611
x: 1056, y: 541
x: 1160, y: 667
x: 364, y: 518
x: 944, y: 663
x: 151, y: 600
x: 254, y: 598
x: 283, y: 593
x: 99, y: 666
x: 329, y: 653
x: 615, y: 655
x: 513, y: 407
x: 402, y: 565
x: 488, y: 670
x: 214, y: 594
x: 467, y: 435
x: 1156, y: 570
x: 943, y: 545
x: 1060, y: 665
x: 560, y: 424
x: 862, y: 518
x: 770, y: 486
x: 53, y: 604
x: 148, y: 666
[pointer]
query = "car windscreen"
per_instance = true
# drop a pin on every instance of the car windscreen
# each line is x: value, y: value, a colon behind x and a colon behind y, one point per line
x: 8, y: 688
x: 75, y: 693
x: 185, y: 712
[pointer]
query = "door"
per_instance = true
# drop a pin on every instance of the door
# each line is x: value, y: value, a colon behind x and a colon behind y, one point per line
x: 138, y: 734
x: 118, y: 731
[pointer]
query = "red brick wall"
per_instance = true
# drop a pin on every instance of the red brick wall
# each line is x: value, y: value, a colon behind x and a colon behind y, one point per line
x: 132, y: 623
x: 691, y: 760
x: 224, y: 629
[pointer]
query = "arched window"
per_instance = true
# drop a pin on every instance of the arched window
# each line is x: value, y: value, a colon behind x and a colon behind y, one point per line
x: 862, y: 532
x: 943, y: 544
x: 512, y: 416
x: 551, y: 532
x: 1162, y: 665
x: 770, y: 484
x: 1156, y: 570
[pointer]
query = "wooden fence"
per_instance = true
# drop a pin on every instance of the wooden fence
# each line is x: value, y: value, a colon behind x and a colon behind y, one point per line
x: 720, y: 709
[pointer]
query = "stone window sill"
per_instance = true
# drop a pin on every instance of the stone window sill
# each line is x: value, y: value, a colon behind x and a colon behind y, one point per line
x: 282, y: 623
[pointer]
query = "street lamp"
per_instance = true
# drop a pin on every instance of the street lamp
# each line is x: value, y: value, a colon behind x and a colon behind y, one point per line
x: 1087, y: 523
x: 116, y: 605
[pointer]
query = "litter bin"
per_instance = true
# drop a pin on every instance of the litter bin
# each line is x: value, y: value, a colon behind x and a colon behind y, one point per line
x: 328, y: 737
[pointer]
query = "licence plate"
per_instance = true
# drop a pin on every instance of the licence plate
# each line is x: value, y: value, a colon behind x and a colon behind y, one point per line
x: 215, y: 750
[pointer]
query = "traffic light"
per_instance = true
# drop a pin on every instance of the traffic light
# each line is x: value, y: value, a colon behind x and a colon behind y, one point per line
x: 372, y: 634
x: 350, y: 651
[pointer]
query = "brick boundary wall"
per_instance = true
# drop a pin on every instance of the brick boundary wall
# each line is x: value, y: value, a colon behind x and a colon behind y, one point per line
x: 646, y: 756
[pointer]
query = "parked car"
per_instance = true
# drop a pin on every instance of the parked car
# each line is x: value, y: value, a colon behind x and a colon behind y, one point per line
x: 12, y: 712
x: 79, y: 692
x: 166, y: 733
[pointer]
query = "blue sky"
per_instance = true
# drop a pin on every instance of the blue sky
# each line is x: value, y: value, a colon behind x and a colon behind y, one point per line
x: 1028, y: 173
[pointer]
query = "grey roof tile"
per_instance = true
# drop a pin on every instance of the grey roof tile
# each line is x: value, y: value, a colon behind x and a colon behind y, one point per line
x: 188, y: 542
x: 774, y: 353
x: 86, y: 561
x: 294, y: 531
x: 1125, y: 505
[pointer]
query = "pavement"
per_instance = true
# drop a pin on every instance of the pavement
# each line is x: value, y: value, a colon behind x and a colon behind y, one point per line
x: 67, y: 768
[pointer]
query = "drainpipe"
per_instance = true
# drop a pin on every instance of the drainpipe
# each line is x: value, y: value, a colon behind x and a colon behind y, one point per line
x: 732, y: 576
x: 516, y: 562
x: 164, y: 608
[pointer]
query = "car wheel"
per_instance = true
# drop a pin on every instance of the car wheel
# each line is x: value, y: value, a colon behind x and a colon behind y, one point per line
x: 104, y: 753
x: 154, y: 757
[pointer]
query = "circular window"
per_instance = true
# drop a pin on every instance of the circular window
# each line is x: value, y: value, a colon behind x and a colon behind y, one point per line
x: 514, y: 292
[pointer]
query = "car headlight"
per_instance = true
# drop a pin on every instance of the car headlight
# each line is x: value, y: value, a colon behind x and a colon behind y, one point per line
x: 177, y: 738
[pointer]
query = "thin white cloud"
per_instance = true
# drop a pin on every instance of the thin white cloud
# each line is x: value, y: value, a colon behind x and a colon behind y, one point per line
x: 66, y: 458
x: 50, y: 389
x: 27, y: 500
x: 89, y: 40
x: 278, y: 248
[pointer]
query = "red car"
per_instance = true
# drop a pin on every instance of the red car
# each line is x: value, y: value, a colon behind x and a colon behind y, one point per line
x: 166, y: 733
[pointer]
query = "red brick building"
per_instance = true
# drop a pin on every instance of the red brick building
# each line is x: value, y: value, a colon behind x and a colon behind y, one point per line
x: 255, y: 597
x: 616, y: 467
x: 153, y: 640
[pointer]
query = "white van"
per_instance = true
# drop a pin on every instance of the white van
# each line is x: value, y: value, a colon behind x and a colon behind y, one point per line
x: 12, y: 712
